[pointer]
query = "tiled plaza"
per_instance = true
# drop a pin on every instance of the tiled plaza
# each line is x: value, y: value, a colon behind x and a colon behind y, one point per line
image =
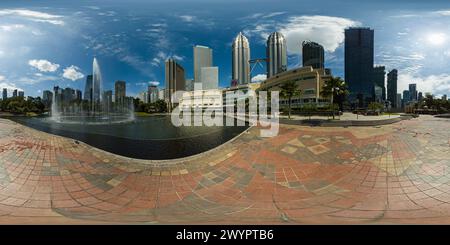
x: 397, y: 173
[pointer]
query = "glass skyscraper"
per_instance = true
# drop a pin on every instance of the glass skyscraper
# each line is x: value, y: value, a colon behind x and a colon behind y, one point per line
x: 379, y: 75
x: 88, y: 88
x: 359, y: 55
x: 276, y: 54
x: 313, y: 55
x: 240, y: 57
x: 392, y: 87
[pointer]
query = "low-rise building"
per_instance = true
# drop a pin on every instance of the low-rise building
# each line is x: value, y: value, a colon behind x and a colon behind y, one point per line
x: 309, y: 81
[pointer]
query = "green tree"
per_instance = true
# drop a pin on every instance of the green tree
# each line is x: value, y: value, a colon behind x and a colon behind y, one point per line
x: 289, y: 90
x: 337, y: 87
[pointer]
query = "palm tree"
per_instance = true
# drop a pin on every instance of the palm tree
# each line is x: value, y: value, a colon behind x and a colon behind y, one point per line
x: 337, y: 89
x: 288, y: 90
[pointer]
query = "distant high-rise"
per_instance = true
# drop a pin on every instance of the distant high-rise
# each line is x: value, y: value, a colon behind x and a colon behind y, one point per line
x: 152, y: 93
x: 359, y: 62
x: 174, y: 79
x: 399, y: 101
x: 78, y: 95
x: 202, y: 58
x: 120, y: 91
x: 313, y: 55
x: 413, y: 92
x: 47, y: 98
x: 5, y: 94
x: 419, y: 96
x: 276, y: 54
x: 210, y: 77
x: 379, y: 75
x: 444, y: 97
x: 21, y: 94
x: 14, y: 93
x: 107, y: 99
x: 406, y: 97
x: 240, y: 57
x: 392, y: 87
x: 88, y: 88
x: 96, y: 81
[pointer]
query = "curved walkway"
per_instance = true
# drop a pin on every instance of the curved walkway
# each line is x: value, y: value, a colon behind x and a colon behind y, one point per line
x: 397, y: 173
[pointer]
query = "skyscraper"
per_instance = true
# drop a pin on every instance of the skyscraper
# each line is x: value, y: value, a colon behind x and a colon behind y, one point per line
x: 359, y: 63
x: 399, y: 101
x: 96, y: 81
x: 276, y: 54
x: 419, y: 96
x: 78, y: 95
x: 120, y: 91
x: 174, y: 79
x: 406, y: 97
x: 21, y: 94
x: 5, y: 94
x: 210, y: 77
x: 88, y: 88
x: 14, y: 93
x: 152, y: 93
x: 202, y: 58
x: 392, y: 87
x: 240, y: 57
x: 47, y: 98
x: 313, y: 54
x: 379, y: 74
x: 413, y: 92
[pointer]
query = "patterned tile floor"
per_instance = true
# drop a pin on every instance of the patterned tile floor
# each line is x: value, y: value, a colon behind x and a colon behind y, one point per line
x: 398, y: 173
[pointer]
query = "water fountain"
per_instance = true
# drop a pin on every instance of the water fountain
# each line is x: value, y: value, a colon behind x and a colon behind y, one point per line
x: 97, y: 109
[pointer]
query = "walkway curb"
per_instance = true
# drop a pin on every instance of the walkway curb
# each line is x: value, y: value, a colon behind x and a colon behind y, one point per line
x: 347, y: 123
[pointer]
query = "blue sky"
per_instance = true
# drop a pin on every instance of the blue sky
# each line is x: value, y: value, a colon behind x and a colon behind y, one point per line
x: 53, y: 42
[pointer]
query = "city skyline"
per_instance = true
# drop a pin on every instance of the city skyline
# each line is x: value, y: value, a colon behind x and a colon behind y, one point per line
x: 36, y: 70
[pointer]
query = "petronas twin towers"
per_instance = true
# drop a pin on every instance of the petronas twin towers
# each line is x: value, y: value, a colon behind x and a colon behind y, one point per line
x: 276, y: 57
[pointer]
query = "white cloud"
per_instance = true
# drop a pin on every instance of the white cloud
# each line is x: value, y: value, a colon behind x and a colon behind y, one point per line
x: 325, y: 30
x: 43, y: 65
x: 34, y: 16
x: 273, y: 14
x: 259, y: 78
x: 155, y: 83
x: 187, y: 18
x: 11, y: 27
x: 443, y: 12
x: 435, y: 84
x: 72, y: 73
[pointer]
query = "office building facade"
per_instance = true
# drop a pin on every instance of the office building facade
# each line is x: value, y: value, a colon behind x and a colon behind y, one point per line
x: 5, y: 94
x: 174, y: 80
x: 202, y: 58
x: 313, y: 55
x: 152, y: 93
x: 120, y: 91
x: 379, y: 75
x: 392, y: 87
x: 412, y: 92
x: 88, y: 88
x: 210, y: 78
x: 359, y: 55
